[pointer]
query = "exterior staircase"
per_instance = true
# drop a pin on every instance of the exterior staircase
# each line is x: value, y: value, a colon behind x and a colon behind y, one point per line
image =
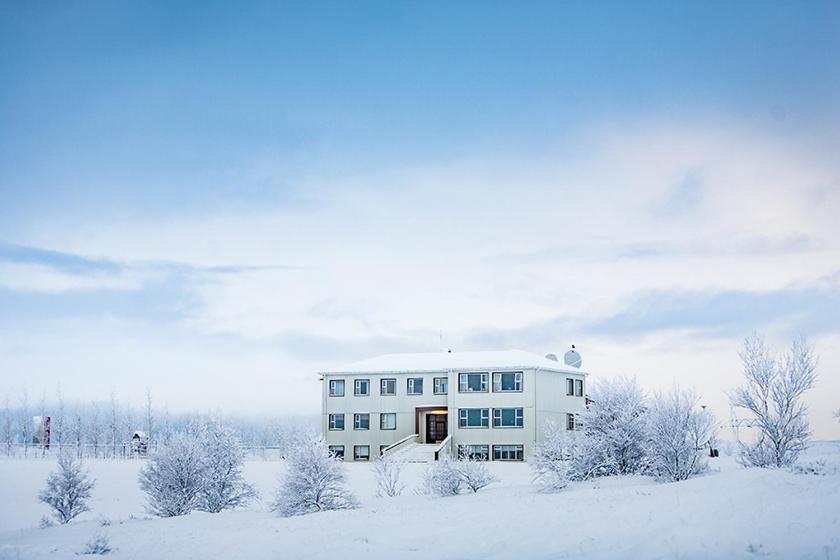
x: 416, y: 453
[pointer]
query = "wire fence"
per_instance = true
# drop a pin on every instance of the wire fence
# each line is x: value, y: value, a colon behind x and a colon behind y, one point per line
x: 121, y: 451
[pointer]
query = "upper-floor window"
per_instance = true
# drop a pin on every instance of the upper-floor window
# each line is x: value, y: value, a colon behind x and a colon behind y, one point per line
x: 507, y: 381
x: 361, y: 421
x: 388, y: 387
x: 361, y: 387
x: 507, y: 417
x: 472, y: 383
x: 336, y: 387
x: 578, y: 387
x: 570, y: 386
x: 474, y: 417
x: 571, y: 422
x: 388, y: 421
x: 441, y: 385
x: 336, y: 421
x: 415, y: 386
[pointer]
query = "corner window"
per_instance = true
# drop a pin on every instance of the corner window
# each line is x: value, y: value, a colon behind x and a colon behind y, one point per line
x: 441, y: 385
x: 361, y: 452
x: 472, y: 383
x: 571, y: 424
x: 336, y: 421
x: 388, y: 387
x: 337, y: 451
x: 473, y: 417
x: 388, y: 421
x: 507, y: 417
x: 570, y: 387
x: 361, y: 421
x: 336, y: 387
x: 474, y: 452
x: 507, y: 381
x: 361, y: 387
x: 578, y: 387
x: 415, y: 386
x: 508, y: 453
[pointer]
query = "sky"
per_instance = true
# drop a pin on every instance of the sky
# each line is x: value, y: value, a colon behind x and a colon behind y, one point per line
x: 216, y: 200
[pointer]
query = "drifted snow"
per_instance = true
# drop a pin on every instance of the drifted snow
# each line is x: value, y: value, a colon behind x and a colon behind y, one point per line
x: 733, y: 513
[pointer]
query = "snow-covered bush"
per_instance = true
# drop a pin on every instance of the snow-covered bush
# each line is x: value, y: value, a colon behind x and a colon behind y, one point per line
x: 387, y: 472
x: 442, y: 478
x: 100, y: 544
x: 474, y: 473
x: 816, y: 468
x: 614, y: 430
x: 772, y: 395
x: 223, y: 487
x: 552, y: 459
x: 678, y: 435
x: 314, y: 481
x: 174, y: 477
x: 45, y: 522
x: 68, y: 489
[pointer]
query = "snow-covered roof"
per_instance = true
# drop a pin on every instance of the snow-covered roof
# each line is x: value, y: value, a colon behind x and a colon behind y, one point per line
x: 445, y: 361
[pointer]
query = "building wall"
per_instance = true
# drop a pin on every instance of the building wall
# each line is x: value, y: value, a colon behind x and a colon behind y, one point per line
x: 543, y: 398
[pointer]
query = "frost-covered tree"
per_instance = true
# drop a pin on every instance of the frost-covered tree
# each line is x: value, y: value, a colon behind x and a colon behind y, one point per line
x: 474, y: 473
x: 614, y: 430
x: 387, y: 472
x: 552, y: 460
x: 68, y: 489
x: 224, y: 485
x: 678, y: 433
x: 442, y: 478
x: 314, y: 481
x: 7, y: 426
x: 174, y: 477
x: 772, y: 395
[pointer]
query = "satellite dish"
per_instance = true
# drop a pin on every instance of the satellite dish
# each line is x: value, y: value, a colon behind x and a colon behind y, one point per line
x: 572, y: 358
x: 552, y: 357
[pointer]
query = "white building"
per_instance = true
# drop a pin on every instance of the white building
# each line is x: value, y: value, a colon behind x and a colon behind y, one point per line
x: 494, y: 405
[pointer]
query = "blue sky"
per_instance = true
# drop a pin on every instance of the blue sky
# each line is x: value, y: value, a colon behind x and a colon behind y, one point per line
x: 196, y: 191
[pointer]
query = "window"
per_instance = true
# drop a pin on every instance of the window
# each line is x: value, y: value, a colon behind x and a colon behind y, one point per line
x: 474, y: 417
x: 507, y: 381
x: 336, y: 387
x: 361, y: 452
x: 337, y: 451
x: 570, y: 387
x: 474, y: 452
x: 336, y: 421
x: 361, y: 421
x: 441, y: 385
x: 578, y: 387
x: 508, y: 453
x: 472, y: 383
x: 388, y: 387
x: 361, y: 388
x: 415, y: 386
x: 570, y: 421
x: 388, y: 421
x: 507, y: 417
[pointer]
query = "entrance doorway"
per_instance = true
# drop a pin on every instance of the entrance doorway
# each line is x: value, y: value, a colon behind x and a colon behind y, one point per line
x: 436, y: 427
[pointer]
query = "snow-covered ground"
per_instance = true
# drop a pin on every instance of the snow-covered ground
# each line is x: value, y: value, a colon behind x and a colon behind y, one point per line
x: 731, y: 513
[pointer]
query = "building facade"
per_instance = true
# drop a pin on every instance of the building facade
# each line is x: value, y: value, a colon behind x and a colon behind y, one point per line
x: 495, y: 405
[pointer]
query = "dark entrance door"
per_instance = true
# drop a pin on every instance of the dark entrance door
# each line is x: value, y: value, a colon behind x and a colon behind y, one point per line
x: 436, y: 428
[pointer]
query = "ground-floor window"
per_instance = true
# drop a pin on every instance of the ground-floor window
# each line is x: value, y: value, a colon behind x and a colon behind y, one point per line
x: 474, y: 452
x: 336, y: 421
x: 361, y: 452
x: 570, y: 421
x: 508, y: 453
x: 337, y: 451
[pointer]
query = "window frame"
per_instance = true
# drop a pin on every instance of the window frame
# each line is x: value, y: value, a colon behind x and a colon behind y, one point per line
x: 382, y: 416
x: 518, y: 379
x: 464, y: 383
x: 464, y: 450
x: 331, y: 424
x: 357, y: 383
x: 357, y: 417
x: 518, y: 417
x: 436, y: 382
x: 570, y: 386
x: 357, y: 456
x: 464, y: 418
x: 333, y: 451
x: 382, y: 383
x: 571, y: 422
x: 578, y: 387
x: 334, y: 383
x: 518, y: 451
x: 410, y: 385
